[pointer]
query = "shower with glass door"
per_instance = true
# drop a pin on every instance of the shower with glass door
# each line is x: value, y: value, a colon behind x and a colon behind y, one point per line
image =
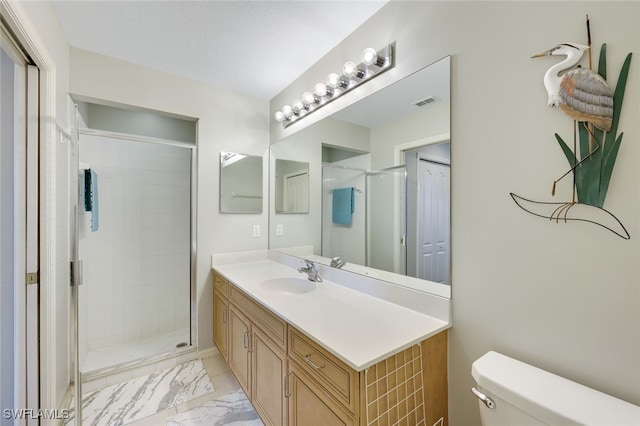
x: 135, y: 238
x: 376, y: 234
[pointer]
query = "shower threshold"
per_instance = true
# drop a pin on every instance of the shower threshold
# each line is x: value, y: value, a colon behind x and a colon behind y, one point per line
x: 107, y: 359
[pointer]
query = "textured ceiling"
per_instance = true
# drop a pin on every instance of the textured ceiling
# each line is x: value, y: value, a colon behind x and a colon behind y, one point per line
x: 252, y: 47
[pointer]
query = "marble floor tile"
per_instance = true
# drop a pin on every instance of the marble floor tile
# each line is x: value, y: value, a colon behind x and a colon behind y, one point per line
x: 233, y: 409
x: 135, y: 399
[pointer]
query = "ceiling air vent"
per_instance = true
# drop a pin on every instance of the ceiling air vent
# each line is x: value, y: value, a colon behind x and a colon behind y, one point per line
x: 425, y: 101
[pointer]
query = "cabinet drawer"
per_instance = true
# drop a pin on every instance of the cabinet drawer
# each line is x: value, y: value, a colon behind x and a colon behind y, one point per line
x: 220, y: 284
x: 271, y: 325
x: 309, y: 402
x: 338, y: 378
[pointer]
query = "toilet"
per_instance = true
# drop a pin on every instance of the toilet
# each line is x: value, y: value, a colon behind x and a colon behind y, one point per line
x: 513, y: 393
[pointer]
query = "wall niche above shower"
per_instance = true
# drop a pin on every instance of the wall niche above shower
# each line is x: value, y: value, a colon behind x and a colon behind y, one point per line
x: 146, y: 123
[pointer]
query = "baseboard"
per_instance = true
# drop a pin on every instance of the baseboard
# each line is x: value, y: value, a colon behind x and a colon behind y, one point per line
x: 209, y: 352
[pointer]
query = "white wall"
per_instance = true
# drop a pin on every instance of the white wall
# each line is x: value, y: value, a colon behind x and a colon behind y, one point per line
x: 430, y: 121
x: 226, y: 122
x: 562, y: 297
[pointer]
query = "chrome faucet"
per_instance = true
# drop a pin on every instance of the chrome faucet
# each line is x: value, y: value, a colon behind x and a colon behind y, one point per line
x: 337, y: 262
x: 311, y: 270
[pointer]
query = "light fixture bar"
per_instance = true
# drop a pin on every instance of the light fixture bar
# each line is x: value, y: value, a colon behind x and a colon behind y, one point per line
x: 372, y: 64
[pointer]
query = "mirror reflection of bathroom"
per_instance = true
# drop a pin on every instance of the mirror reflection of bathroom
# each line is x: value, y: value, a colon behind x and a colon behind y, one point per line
x: 396, y: 219
x: 134, y: 237
x: 292, y: 186
x: 392, y: 165
x: 343, y: 203
x: 240, y: 183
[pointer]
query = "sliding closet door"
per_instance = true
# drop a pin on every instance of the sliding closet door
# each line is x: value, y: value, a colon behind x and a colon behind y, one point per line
x: 19, y: 375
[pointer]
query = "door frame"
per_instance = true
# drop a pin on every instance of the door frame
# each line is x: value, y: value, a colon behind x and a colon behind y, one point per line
x: 28, y: 36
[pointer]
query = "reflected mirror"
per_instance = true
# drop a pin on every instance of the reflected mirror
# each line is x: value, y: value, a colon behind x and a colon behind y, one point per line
x: 292, y: 186
x: 378, y: 175
x: 240, y: 183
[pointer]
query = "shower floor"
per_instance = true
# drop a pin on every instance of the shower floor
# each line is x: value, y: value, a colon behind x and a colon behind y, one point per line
x: 109, y: 356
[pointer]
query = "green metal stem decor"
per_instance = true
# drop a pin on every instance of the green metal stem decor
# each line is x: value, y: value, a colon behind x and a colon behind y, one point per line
x: 592, y: 177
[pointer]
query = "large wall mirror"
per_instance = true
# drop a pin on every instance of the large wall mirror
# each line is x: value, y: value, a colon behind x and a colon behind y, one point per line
x: 378, y: 182
x: 240, y: 183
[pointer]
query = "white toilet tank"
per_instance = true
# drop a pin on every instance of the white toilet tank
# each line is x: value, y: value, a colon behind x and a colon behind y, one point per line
x: 523, y: 395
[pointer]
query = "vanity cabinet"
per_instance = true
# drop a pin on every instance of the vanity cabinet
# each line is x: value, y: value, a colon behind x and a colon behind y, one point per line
x: 310, y: 404
x: 220, y: 313
x: 257, y: 355
x: 270, y: 366
x: 292, y: 380
x: 239, y: 353
x: 337, y: 378
x: 409, y: 387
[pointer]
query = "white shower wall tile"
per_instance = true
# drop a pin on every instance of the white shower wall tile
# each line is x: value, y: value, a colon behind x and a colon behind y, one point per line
x: 132, y: 287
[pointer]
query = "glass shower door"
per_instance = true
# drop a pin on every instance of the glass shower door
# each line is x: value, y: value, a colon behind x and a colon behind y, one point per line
x: 134, y: 303
x: 387, y: 219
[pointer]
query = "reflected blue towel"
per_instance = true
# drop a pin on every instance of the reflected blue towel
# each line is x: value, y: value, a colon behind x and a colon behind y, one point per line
x: 343, y: 204
x: 91, y: 197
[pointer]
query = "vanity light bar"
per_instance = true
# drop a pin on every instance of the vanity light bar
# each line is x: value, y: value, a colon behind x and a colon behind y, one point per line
x: 373, y: 63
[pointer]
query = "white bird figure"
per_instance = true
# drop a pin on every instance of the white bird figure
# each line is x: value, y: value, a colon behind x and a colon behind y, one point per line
x: 581, y: 93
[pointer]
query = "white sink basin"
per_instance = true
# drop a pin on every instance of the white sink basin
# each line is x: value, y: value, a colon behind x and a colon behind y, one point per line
x: 288, y: 285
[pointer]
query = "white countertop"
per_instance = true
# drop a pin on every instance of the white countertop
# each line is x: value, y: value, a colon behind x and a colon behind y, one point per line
x: 357, y: 328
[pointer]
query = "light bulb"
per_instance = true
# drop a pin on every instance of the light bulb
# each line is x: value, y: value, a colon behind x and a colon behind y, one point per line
x: 297, y: 106
x: 308, y: 98
x: 279, y: 116
x: 349, y: 69
x: 287, y: 111
x: 369, y: 56
x: 320, y: 89
x: 333, y: 80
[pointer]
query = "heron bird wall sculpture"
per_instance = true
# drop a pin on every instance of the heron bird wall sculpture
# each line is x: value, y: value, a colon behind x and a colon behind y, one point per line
x: 585, y: 96
x: 580, y: 93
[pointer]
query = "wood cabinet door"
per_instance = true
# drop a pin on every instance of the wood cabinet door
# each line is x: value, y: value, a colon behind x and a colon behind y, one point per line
x: 307, y: 408
x: 239, y: 355
x: 220, y: 321
x: 269, y: 366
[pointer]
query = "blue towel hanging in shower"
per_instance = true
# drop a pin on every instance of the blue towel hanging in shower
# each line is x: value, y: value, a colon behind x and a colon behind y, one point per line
x: 343, y: 205
x: 91, y: 197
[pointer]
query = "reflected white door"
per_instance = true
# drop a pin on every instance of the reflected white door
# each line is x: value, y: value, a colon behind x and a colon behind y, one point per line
x: 296, y: 192
x: 433, y: 251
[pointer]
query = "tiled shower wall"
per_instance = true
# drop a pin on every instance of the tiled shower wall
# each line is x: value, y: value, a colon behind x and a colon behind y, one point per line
x: 137, y: 264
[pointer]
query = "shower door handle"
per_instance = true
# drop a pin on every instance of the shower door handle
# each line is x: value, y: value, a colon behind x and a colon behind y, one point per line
x: 76, y: 272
